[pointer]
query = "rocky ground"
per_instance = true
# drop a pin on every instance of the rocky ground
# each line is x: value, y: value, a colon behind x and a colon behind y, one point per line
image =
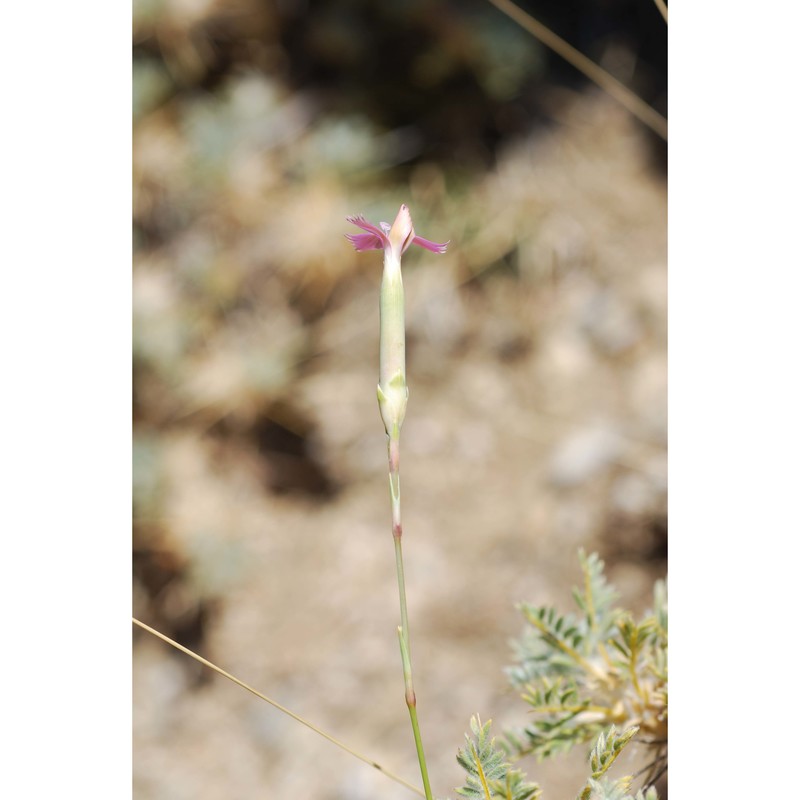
x: 536, y: 426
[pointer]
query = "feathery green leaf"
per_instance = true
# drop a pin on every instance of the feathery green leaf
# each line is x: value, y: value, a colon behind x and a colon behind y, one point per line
x: 583, y: 673
x: 488, y: 773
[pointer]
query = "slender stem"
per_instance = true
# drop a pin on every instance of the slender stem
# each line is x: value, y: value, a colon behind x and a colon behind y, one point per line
x: 397, y: 531
x: 277, y: 705
x: 402, y: 630
x: 401, y: 588
x: 411, y: 702
x: 649, y: 116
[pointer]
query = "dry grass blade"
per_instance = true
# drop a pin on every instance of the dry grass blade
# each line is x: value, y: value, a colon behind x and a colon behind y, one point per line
x: 285, y: 710
x: 662, y: 7
x: 643, y: 112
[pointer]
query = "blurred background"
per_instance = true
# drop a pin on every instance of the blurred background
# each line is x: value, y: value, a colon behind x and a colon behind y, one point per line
x: 536, y: 364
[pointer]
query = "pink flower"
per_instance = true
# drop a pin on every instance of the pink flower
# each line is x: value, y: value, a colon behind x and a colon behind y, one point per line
x: 397, y: 238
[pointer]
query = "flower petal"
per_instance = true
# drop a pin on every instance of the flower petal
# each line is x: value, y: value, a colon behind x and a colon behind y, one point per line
x: 402, y: 231
x: 366, y: 241
x: 429, y: 245
x: 367, y: 226
x: 399, y: 236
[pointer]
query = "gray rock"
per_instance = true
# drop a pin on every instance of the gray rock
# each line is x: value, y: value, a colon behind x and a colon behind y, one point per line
x: 610, y: 322
x: 584, y: 455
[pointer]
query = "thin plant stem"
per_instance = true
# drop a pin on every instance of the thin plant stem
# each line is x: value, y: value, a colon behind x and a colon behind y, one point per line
x: 401, y: 588
x: 412, y: 711
x: 283, y: 709
x: 411, y: 702
x: 397, y: 530
x: 643, y: 112
x: 662, y: 7
x: 402, y: 630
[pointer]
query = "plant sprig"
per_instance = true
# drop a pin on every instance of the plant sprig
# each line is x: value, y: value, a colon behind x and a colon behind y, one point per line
x: 489, y: 774
x: 588, y: 675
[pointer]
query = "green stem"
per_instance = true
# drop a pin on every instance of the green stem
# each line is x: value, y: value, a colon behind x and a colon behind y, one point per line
x: 411, y: 702
x: 401, y: 587
x: 402, y: 630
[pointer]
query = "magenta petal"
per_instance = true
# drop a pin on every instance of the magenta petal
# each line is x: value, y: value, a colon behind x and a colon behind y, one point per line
x: 367, y: 226
x: 365, y: 241
x: 434, y: 247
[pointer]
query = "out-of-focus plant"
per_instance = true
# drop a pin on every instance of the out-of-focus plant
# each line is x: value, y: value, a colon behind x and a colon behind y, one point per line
x: 488, y: 772
x: 585, y: 676
x: 490, y: 775
x: 582, y: 673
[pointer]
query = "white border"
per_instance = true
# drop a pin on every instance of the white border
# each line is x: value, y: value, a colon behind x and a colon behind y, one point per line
x: 66, y: 399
